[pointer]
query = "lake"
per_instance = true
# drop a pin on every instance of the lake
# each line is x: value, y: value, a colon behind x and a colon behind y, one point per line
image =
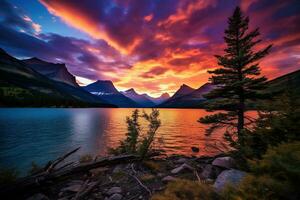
x: 43, y: 134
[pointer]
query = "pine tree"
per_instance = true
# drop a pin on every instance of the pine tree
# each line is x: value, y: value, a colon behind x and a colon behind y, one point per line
x: 238, y: 79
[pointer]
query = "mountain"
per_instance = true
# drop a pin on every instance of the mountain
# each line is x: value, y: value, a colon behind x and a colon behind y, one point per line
x: 195, y: 98
x: 164, y: 97
x: 139, y: 98
x: 54, y: 71
x: 22, y: 86
x: 107, y: 91
x: 289, y: 81
x: 182, y: 91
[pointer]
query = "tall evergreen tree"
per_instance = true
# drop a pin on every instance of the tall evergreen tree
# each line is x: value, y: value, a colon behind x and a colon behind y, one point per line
x: 238, y: 79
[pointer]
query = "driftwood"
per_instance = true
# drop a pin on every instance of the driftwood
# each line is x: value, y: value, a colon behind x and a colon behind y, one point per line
x: 138, y: 180
x: 33, y: 183
x: 86, y: 189
x: 60, y: 159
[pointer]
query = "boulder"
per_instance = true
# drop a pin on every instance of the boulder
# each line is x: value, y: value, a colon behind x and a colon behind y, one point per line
x: 182, y: 168
x: 114, y: 190
x: 231, y: 176
x: 225, y: 162
x: 38, y: 196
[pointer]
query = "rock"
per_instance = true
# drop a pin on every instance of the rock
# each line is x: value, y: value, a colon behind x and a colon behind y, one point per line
x: 181, y: 168
x: 181, y: 160
x: 114, y: 190
x: 115, y: 197
x: 231, y: 176
x: 207, y: 172
x: 225, y: 162
x: 195, y: 149
x: 71, y: 188
x: 38, y: 196
x: 168, y: 179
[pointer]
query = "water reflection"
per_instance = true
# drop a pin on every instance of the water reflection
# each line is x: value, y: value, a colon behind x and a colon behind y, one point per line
x: 43, y: 134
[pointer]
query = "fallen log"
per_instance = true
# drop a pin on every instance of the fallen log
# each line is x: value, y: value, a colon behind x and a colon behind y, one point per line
x: 29, y: 185
x: 60, y: 159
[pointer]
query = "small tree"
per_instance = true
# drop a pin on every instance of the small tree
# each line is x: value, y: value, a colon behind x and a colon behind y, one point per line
x: 238, y: 79
x: 136, y: 142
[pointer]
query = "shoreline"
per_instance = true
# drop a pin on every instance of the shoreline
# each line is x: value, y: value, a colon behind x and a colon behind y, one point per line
x: 122, y: 177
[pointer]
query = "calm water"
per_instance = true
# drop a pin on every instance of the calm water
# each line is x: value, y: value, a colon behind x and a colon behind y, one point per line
x: 30, y: 134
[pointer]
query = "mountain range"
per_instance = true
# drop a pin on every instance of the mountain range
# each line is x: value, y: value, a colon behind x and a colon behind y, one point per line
x: 142, y: 100
x: 107, y: 91
x: 187, y: 97
x: 54, y: 71
x: 21, y: 85
x: 37, y: 83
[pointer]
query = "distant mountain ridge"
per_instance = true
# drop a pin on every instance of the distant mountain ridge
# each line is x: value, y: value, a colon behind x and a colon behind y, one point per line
x: 188, y: 97
x: 34, y: 82
x: 139, y: 98
x: 23, y: 86
x: 107, y: 91
x: 54, y: 71
x: 162, y: 98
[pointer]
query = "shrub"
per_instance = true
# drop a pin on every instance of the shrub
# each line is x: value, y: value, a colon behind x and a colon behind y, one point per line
x: 85, y: 158
x: 34, y: 169
x: 276, y: 176
x: 186, y: 190
x: 278, y: 122
x: 7, y: 176
x: 136, y: 142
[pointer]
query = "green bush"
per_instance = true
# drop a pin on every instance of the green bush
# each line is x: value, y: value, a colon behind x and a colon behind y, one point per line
x: 85, y: 158
x: 186, y: 190
x: 278, y: 122
x: 136, y: 142
x: 275, y: 176
x: 7, y: 176
x: 34, y: 169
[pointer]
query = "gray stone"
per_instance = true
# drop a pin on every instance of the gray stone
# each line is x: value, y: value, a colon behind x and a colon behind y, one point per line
x: 207, y: 172
x: 114, y: 190
x: 72, y: 188
x: 168, y: 179
x: 231, y: 176
x: 225, y: 162
x: 182, y: 168
x: 38, y: 196
x: 115, y: 197
x: 181, y: 160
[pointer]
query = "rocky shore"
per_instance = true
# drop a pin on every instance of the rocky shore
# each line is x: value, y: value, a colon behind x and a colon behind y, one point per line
x: 137, y: 179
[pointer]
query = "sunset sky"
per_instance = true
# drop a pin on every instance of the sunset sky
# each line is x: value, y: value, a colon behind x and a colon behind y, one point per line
x: 153, y: 46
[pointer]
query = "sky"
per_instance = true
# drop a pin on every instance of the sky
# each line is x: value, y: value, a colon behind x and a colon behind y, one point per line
x: 153, y: 46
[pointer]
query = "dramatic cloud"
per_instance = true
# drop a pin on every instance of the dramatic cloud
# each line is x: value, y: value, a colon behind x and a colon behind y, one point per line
x: 152, y: 45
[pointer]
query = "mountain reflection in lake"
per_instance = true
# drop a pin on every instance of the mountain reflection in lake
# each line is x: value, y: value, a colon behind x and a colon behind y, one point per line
x: 39, y: 135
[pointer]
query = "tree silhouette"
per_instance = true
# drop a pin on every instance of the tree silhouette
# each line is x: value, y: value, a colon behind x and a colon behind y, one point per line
x: 238, y: 79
